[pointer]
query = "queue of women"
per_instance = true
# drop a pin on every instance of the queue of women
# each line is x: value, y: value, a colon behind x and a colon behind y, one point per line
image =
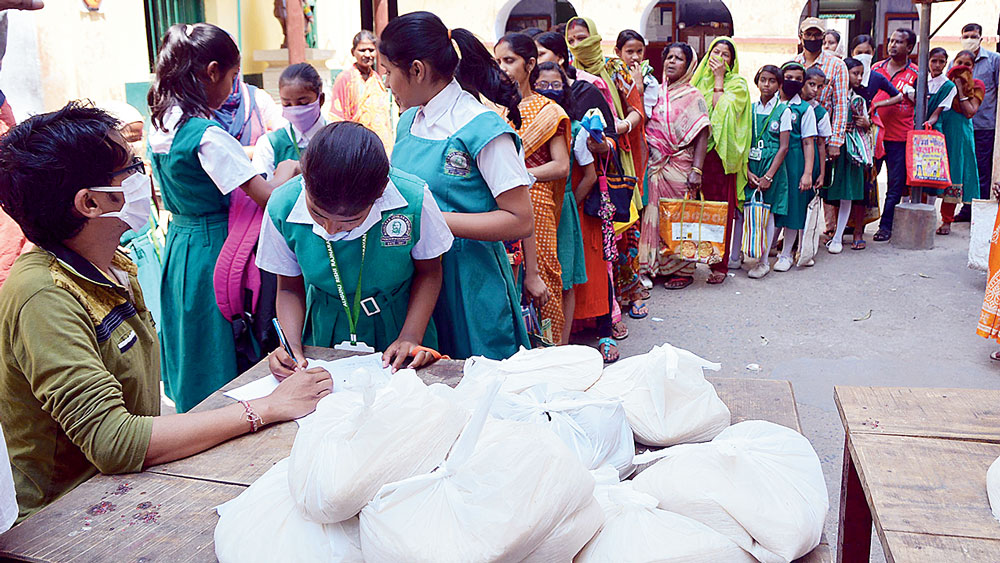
x: 485, y: 223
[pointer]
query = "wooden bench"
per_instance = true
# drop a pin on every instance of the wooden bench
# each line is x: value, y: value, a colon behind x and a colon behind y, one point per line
x: 166, y: 513
x: 915, y: 463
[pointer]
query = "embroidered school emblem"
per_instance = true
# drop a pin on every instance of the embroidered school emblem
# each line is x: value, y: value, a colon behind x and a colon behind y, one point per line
x: 774, y: 127
x: 795, y: 116
x: 397, y: 230
x: 458, y: 163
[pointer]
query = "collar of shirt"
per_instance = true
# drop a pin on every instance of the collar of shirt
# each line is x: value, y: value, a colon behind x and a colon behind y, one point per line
x: 80, y: 267
x: 389, y: 200
x: 766, y: 109
x: 438, y: 106
x: 884, y: 65
x: 935, y: 83
x: 302, y: 139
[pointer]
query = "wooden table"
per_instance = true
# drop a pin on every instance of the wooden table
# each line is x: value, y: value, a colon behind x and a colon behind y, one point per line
x: 915, y: 463
x: 166, y: 513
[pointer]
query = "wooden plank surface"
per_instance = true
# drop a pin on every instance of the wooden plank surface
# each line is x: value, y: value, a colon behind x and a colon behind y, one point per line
x: 971, y: 414
x: 926, y: 485
x: 136, y: 517
x: 922, y: 548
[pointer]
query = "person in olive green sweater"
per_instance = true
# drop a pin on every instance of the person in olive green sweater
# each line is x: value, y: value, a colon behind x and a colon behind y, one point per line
x: 79, y: 356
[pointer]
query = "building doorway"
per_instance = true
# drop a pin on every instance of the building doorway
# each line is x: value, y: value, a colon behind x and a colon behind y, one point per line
x: 695, y: 22
x: 538, y: 14
x: 878, y: 18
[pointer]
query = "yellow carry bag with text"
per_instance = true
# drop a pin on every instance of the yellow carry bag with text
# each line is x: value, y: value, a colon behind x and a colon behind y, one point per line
x: 694, y: 230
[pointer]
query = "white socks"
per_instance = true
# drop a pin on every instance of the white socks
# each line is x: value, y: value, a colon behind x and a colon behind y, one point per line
x: 842, y: 217
x: 791, y: 235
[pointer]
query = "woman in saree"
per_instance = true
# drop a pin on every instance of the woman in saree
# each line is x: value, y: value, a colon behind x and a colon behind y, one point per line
x: 626, y: 102
x: 360, y: 95
x: 677, y: 133
x: 545, y: 135
x: 724, y: 175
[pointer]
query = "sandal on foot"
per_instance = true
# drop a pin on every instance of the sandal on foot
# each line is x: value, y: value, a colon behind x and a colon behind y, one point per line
x: 608, y: 349
x: 944, y: 229
x: 678, y: 282
x: 638, y: 311
x: 882, y: 236
x: 858, y: 245
x: 715, y: 278
x: 619, y: 331
x: 995, y: 356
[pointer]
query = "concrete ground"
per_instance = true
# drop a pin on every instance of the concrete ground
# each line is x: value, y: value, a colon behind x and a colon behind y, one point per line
x: 882, y: 316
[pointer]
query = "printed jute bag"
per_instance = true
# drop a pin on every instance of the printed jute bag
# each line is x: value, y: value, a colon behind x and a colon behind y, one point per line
x: 927, y: 159
x: 694, y: 230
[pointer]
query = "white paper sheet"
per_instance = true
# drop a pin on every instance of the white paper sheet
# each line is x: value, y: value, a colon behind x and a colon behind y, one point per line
x: 347, y: 373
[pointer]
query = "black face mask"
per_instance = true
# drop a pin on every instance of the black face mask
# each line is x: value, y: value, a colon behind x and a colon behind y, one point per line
x: 812, y: 45
x: 791, y: 88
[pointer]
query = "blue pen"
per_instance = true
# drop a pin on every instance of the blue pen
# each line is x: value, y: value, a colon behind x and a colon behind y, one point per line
x: 283, y: 340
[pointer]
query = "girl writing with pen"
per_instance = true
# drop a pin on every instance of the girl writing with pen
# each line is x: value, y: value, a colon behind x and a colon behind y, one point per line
x: 356, y: 246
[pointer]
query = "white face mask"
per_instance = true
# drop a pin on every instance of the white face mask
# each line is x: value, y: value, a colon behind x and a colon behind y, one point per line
x: 137, y: 189
x: 866, y: 60
x: 971, y: 43
x: 321, y: 232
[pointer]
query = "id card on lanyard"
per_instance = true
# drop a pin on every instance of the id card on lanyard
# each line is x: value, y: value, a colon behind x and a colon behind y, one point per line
x: 371, y: 309
x: 757, y: 151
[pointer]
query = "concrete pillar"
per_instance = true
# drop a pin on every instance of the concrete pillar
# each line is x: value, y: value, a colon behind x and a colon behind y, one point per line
x: 913, y: 226
x: 295, y: 32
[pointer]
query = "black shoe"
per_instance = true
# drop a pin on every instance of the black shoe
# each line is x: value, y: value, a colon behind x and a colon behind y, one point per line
x: 882, y: 236
x: 963, y: 216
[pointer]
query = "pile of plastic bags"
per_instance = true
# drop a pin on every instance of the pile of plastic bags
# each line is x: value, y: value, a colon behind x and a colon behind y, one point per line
x: 503, y: 468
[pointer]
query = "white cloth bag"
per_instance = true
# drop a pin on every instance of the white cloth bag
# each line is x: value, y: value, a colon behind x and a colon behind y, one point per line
x: 984, y: 216
x: 666, y: 397
x: 815, y: 223
x: 8, y: 498
x: 596, y: 430
x: 758, y: 483
x: 574, y: 368
x: 263, y: 525
x: 509, y: 491
x: 636, y: 530
x: 993, y: 487
x: 358, y: 442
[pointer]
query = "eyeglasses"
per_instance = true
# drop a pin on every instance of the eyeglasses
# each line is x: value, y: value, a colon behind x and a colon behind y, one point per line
x: 542, y: 85
x: 136, y: 166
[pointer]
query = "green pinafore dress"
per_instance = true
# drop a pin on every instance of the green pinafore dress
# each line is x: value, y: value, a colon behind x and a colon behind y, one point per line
x: 767, y: 140
x: 381, y: 258
x: 196, y: 342
x: 479, y: 310
x: 284, y: 146
x: 795, y: 164
x: 848, y: 181
x: 569, y: 235
x: 961, y: 141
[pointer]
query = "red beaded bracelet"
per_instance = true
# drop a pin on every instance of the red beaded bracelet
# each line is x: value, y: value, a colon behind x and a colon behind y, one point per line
x: 250, y: 416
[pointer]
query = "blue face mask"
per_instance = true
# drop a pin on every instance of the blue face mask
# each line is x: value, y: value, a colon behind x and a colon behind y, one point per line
x: 554, y: 95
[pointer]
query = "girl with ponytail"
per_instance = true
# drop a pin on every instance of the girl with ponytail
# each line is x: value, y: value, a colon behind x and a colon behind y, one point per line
x: 473, y: 162
x: 198, y: 166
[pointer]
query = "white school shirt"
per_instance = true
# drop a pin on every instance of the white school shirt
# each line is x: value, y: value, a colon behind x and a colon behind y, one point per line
x: 807, y: 127
x: 270, y: 110
x: 274, y: 255
x: 765, y: 109
x: 580, y: 150
x: 263, y: 151
x: 823, y: 126
x: 500, y: 163
x: 220, y: 154
x: 935, y: 84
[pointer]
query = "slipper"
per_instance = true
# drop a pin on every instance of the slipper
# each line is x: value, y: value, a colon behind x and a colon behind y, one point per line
x: 716, y: 278
x: 944, y: 229
x: 858, y: 245
x: 882, y: 236
x: 639, y: 312
x: 678, y: 282
x: 608, y: 349
x: 995, y: 356
x: 619, y: 331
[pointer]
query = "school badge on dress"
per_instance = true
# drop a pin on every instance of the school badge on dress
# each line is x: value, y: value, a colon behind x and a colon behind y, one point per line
x: 457, y: 163
x: 397, y: 230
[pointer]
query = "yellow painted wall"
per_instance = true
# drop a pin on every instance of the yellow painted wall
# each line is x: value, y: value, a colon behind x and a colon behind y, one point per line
x: 261, y: 30
x: 90, y: 55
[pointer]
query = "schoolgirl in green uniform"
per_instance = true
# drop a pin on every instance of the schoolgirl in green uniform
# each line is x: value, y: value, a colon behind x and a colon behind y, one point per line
x: 772, y: 125
x: 848, y: 183
x: 357, y: 249
x: 798, y: 163
x: 472, y: 161
x: 197, y: 164
x: 815, y: 79
x: 301, y: 91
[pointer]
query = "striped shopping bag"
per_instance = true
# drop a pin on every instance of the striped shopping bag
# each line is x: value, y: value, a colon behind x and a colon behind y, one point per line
x: 755, y: 216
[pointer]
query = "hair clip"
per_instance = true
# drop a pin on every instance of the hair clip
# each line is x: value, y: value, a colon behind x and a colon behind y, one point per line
x: 188, y: 29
